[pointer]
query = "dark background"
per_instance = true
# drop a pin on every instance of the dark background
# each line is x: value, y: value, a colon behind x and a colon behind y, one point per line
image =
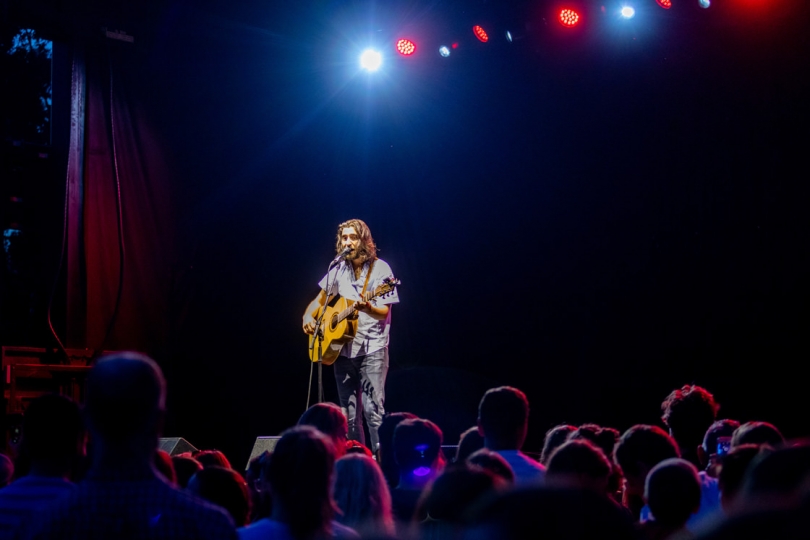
x: 596, y: 216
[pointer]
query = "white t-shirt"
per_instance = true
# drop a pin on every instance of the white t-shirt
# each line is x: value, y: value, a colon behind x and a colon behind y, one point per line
x: 372, y: 334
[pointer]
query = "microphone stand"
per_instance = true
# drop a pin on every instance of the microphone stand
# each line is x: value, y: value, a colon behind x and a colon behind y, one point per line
x: 317, y: 335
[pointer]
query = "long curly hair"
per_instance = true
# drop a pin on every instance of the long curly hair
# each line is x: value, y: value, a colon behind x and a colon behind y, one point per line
x: 368, y: 249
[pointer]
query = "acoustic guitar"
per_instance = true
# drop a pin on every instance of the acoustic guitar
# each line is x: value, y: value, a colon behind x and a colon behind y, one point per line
x: 339, y: 324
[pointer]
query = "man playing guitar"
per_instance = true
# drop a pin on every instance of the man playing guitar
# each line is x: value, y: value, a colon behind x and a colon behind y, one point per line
x: 362, y: 365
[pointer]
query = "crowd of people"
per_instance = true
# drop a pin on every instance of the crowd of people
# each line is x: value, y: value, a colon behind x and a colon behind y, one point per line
x: 698, y: 477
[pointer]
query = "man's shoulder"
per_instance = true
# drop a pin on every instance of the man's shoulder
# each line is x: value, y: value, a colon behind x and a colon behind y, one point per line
x: 98, y: 507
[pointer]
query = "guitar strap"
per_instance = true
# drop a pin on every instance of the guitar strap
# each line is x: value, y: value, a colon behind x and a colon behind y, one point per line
x: 368, y: 275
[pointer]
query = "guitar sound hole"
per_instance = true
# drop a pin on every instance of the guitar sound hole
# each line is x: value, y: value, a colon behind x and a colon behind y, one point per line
x: 332, y: 323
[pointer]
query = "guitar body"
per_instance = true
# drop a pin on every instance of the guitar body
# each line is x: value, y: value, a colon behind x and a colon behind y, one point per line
x: 340, y: 323
x: 336, y: 332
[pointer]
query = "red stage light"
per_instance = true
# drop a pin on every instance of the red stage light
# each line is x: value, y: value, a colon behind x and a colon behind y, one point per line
x: 666, y: 4
x: 406, y: 47
x: 569, y: 17
x: 480, y: 34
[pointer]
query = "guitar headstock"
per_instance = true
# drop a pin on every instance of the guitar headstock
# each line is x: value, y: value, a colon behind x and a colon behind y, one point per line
x: 387, y: 286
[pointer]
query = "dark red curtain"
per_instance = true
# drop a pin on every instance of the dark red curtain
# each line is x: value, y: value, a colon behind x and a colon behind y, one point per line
x: 120, y: 250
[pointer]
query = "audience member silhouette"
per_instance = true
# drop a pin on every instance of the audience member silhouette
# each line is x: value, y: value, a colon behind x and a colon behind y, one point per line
x: 579, y: 464
x: 184, y: 468
x: 757, y: 433
x: 212, y: 458
x: 165, y: 466
x: 779, y: 476
x: 492, y: 462
x: 260, y: 502
x: 298, y: 476
x: 639, y: 449
x: 225, y: 488
x: 361, y: 493
x: 329, y: 419
x: 123, y: 496
x: 417, y: 449
x: 688, y: 412
x: 554, y: 438
x: 503, y: 421
x: 541, y: 512
x: 52, y: 442
x: 732, y: 473
x: 385, y: 454
x: 469, y: 442
x: 708, y: 451
x: 447, y: 502
x: 672, y: 492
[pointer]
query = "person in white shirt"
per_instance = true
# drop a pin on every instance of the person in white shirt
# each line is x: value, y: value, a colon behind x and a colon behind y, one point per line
x: 362, y: 366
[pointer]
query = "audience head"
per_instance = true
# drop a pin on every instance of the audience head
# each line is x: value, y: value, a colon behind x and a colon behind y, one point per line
x: 579, y: 464
x: 757, y: 433
x: 540, y: 512
x: 672, y: 491
x: 707, y: 451
x: 212, y: 458
x: 492, y: 462
x: 503, y: 418
x: 184, y: 467
x: 125, y: 402
x: 470, y: 441
x: 732, y: 472
x: 225, y: 488
x: 688, y: 412
x: 329, y: 419
x: 417, y: 448
x: 640, y: 449
x: 778, y: 475
x: 260, y: 503
x: 165, y: 466
x: 6, y: 470
x: 299, y: 477
x: 603, y: 438
x: 388, y: 462
x: 455, y: 491
x: 555, y: 437
x: 362, y: 495
x: 52, y: 435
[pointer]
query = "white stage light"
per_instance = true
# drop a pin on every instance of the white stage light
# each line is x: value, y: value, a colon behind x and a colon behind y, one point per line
x: 444, y: 51
x: 370, y: 60
x: 704, y: 3
x: 628, y: 12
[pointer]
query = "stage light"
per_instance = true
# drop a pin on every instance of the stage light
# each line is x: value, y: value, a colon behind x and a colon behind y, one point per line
x: 666, y: 4
x: 444, y: 51
x: 704, y: 3
x: 568, y: 17
x: 370, y: 60
x: 480, y: 33
x: 628, y: 12
x: 406, y: 47
x: 509, y: 36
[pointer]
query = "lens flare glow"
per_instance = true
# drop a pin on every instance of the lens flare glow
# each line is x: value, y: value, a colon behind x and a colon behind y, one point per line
x: 370, y: 60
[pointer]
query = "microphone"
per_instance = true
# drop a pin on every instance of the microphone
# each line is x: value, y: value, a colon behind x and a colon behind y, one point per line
x: 340, y: 256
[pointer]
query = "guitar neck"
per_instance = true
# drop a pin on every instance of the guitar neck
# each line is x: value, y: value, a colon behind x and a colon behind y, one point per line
x: 350, y: 310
